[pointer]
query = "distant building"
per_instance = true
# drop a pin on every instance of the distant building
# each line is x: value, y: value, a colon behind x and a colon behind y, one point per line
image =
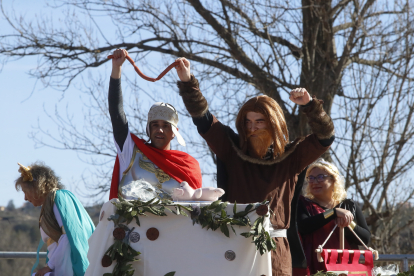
x: 2, y: 208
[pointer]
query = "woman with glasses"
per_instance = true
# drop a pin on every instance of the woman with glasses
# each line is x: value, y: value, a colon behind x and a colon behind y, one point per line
x: 323, y: 205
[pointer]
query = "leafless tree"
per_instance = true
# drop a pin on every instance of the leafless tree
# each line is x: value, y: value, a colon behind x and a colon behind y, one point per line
x: 354, y: 55
x: 375, y: 138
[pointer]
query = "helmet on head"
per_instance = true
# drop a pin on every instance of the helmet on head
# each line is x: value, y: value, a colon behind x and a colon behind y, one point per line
x: 165, y: 112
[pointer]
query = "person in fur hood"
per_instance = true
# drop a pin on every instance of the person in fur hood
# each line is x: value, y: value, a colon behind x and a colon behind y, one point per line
x: 259, y: 163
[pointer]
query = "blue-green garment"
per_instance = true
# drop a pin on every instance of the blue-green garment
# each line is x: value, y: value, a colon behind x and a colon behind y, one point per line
x: 78, y: 226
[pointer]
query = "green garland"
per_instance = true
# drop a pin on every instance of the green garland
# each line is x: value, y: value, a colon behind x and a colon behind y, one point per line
x: 213, y: 216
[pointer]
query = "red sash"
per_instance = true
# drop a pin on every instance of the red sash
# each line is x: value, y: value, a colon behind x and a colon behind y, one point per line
x: 177, y: 164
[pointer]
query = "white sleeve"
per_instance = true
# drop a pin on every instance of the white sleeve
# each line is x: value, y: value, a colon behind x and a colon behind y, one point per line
x: 125, y: 155
x: 63, y: 246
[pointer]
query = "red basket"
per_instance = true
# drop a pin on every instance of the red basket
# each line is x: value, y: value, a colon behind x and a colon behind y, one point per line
x: 347, y: 261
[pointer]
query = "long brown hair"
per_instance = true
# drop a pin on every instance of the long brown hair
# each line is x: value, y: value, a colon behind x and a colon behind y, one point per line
x: 274, y: 118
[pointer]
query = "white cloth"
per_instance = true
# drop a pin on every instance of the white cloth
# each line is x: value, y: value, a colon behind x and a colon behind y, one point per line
x: 189, y: 250
x: 277, y: 233
x: 59, y: 253
x: 125, y: 155
x: 47, y: 274
x: 144, y: 174
x: 128, y: 183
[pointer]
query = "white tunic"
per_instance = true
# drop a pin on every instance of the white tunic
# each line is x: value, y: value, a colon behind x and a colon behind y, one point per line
x: 138, y: 170
x: 59, y: 253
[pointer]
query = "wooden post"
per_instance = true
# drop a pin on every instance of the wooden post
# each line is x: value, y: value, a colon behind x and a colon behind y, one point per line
x: 341, y: 238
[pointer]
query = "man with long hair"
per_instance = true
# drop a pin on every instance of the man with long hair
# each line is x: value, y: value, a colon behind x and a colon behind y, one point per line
x: 259, y: 163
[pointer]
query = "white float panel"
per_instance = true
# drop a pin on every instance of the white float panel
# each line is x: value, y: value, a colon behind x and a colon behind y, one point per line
x: 181, y: 246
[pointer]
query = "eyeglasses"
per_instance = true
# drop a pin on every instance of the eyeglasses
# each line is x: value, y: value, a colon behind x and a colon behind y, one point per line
x: 319, y: 178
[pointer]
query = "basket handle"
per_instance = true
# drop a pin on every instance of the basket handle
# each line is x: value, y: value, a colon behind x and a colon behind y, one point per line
x: 342, y: 243
x: 320, y: 247
x: 341, y: 238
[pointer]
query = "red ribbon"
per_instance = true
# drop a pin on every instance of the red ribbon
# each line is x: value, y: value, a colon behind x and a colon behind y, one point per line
x: 142, y: 74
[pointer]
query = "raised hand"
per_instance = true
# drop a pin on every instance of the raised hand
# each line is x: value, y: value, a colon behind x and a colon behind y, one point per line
x: 119, y: 57
x: 183, y: 69
x: 300, y: 96
x: 117, y: 61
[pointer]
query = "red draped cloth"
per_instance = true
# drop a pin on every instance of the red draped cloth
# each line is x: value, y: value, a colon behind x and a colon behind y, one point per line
x: 177, y: 164
x: 311, y: 241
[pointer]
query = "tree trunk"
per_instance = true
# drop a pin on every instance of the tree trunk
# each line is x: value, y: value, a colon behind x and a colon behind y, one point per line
x: 319, y: 56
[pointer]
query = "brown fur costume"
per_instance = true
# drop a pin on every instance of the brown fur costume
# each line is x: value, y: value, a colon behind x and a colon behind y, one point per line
x: 320, y: 122
x: 274, y: 118
x: 194, y: 101
x: 247, y: 179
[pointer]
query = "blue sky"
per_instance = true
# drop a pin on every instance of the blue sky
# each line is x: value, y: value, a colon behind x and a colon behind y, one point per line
x: 20, y: 111
x: 22, y: 105
x: 25, y: 103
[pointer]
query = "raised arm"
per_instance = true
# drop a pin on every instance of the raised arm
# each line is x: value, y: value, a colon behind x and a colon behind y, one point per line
x: 193, y: 99
x: 320, y: 122
x: 115, y: 101
x: 208, y: 126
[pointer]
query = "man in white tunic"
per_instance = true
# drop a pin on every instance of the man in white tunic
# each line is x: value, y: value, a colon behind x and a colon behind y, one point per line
x: 154, y: 163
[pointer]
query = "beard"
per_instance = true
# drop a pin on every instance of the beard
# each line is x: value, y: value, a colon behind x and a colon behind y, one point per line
x: 258, y: 144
